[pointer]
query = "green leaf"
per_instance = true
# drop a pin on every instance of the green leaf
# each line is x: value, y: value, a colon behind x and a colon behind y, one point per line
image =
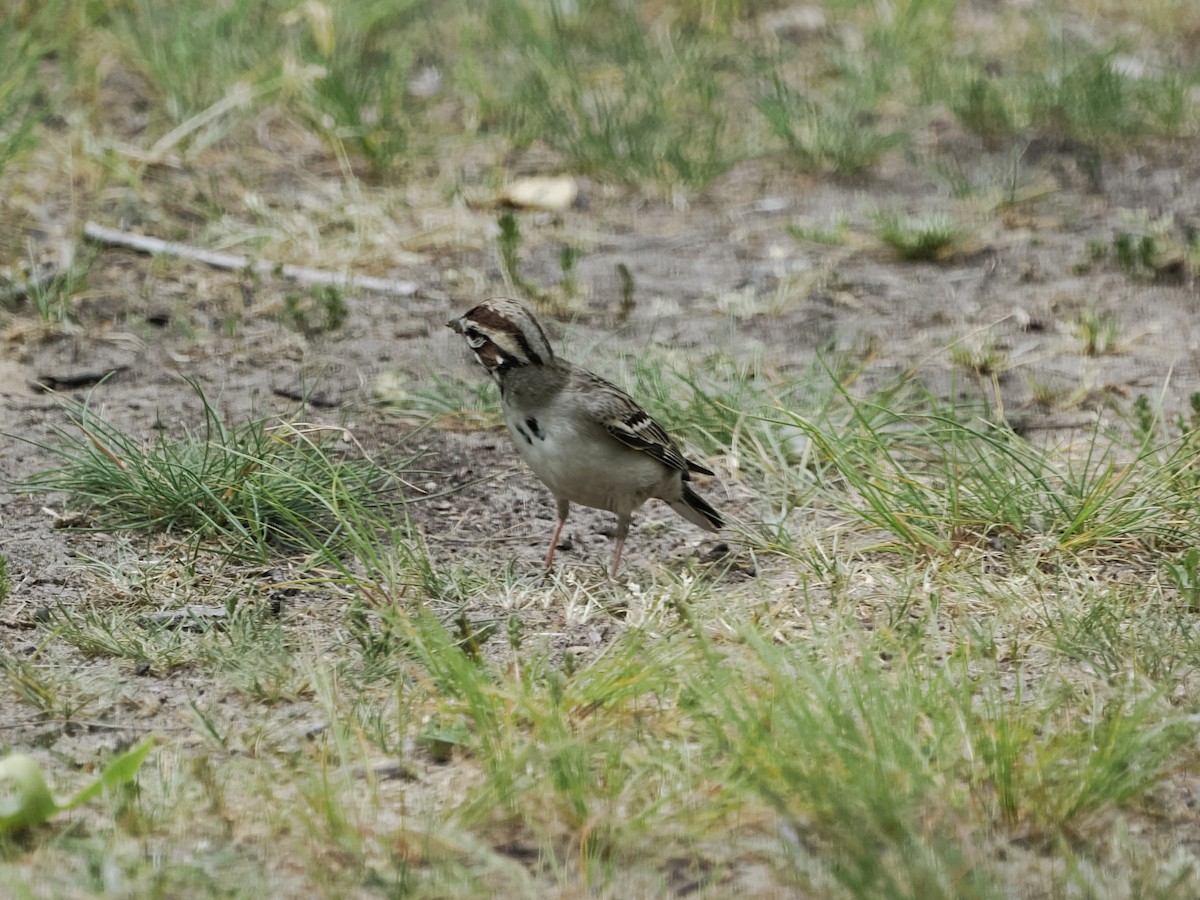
x: 29, y: 803
x: 117, y: 772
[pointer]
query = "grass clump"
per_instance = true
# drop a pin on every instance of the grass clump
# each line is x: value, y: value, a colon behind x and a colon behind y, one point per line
x: 342, y: 67
x: 252, y: 489
x: 613, y: 96
x: 919, y: 238
x: 1098, y: 331
x: 1084, y: 96
x: 980, y: 356
x: 195, y: 54
x: 320, y: 310
x: 833, y: 235
x: 933, y: 479
x: 985, y: 108
x: 1135, y: 253
x: 361, y: 56
x: 1089, y: 97
x: 53, y: 296
x: 841, y: 136
x: 508, y: 248
x: 19, y: 111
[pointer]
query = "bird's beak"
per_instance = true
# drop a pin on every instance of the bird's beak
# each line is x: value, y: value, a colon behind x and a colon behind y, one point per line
x: 455, y: 325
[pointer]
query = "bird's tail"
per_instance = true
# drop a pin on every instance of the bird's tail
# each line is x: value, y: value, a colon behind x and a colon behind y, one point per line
x: 697, y: 510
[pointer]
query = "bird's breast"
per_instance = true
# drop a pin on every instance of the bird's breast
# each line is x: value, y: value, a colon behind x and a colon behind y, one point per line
x: 580, y: 462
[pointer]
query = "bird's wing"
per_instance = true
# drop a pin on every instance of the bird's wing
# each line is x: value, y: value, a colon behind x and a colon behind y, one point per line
x: 625, y: 420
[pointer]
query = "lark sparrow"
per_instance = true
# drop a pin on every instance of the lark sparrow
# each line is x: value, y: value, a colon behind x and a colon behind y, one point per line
x: 586, y: 439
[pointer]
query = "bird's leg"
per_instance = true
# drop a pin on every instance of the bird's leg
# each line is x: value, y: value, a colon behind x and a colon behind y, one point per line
x: 616, y: 557
x: 564, y: 507
x: 623, y: 521
x: 553, y: 545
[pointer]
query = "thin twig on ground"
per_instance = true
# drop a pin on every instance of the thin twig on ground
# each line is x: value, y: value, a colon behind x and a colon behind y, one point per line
x: 231, y: 261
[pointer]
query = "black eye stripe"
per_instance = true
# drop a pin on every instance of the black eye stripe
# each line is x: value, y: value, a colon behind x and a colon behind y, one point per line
x: 530, y: 355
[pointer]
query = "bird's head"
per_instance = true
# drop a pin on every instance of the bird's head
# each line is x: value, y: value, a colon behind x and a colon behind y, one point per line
x: 503, y: 334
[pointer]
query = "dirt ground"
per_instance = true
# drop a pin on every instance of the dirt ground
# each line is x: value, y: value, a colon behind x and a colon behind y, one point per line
x: 719, y: 270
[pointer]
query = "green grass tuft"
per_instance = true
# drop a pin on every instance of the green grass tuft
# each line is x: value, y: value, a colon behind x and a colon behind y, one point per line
x: 610, y: 95
x: 19, y: 110
x: 842, y: 136
x: 252, y: 489
x: 933, y: 479
x: 919, y: 239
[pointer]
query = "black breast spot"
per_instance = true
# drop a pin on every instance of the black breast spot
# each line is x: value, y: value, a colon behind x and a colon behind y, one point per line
x: 532, y: 424
x: 525, y: 434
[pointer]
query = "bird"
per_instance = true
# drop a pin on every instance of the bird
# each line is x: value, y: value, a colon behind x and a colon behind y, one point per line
x: 586, y: 439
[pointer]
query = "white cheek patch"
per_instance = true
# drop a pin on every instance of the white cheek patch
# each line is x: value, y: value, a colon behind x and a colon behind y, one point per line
x: 490, y: 357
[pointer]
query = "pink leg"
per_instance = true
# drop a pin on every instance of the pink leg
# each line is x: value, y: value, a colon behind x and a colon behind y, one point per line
x: 563, y: 509
x: 617, y: 557
x: 554, y: 544
x: 622, y: 531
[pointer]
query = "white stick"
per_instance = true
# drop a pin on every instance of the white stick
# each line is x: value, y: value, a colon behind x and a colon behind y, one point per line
x: 231, y: 261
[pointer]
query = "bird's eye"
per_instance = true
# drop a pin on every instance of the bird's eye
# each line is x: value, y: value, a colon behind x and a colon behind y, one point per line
x: 475, y: 339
